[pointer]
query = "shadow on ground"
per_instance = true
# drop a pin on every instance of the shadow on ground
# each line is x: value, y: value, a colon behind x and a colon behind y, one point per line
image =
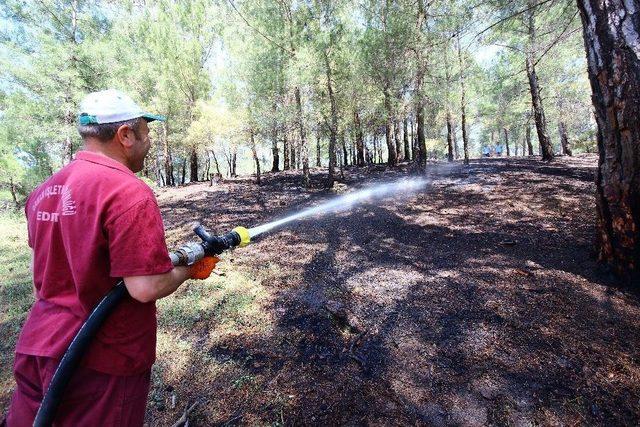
x: 476, y: 301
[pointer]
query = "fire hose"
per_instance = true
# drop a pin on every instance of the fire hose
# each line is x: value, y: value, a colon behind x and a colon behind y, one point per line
x: 186, y: 255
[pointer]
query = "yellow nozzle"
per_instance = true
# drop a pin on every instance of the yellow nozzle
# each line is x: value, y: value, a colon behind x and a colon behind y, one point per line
x: 245, y: 238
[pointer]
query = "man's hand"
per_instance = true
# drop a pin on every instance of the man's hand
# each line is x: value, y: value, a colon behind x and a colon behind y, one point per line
x: 203, y: 268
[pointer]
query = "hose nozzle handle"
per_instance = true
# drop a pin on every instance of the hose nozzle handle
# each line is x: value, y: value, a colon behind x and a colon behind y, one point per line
x: 215, y: 245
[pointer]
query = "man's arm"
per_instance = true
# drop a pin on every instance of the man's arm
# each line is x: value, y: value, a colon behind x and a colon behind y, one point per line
x: 151, y: 288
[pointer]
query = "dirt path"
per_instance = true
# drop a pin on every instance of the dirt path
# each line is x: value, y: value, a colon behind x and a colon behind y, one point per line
x: 475, y: 302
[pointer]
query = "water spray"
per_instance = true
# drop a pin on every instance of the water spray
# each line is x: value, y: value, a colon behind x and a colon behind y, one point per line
x: 404, y: 186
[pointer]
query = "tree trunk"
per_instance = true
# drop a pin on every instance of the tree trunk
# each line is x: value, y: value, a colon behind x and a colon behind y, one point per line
x: 318, y: 164
x: 422, y: 148
x: 564, y: 139
x: 345, y: 157
x: 611, y: 32
x: 538, y: 112
x: 528, y: 138
x: 168, y: 161
x: 254, y: 152
x: 333, y: 126
x: 506, y: 140
x: 392, y: 160
x: 12, y: 189
x: 449, y: 137
x: 207, y: 168
x: 304, y: 149
x: 405, y: 139
x: 274, y: 149
x: 396, y: 140
x: 534, y: 88
x: 359, y: 139
x: 233, y: 162
x: 193, y: 165
x: 215, y: 162
x: 293, y: 156
x: 285, y: 151
x: 184, y: 171
x: 463, y: 105
x: 456, y: 150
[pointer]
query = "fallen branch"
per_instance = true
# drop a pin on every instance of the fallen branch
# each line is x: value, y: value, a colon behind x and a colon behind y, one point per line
x: 184, y: 419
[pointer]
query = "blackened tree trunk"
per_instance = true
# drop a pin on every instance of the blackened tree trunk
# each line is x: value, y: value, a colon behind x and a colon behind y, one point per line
x: 345, y: 155
x: 405, y: 140
x: 333, y: 125
x: 534, y: 89
x: 234, y: 158
x: 396, y: 140
x: 193, y: 165
x: 318, y: 164
x: 422, y: 148
x: 392, y: 159
x: 449, y: 137
x: 506, y: 140
x: 463, y: 105
x: 168, y: 160
x: 292, y: 155
x: 184, y: 171
x: 304, y: 149
x: 274, y: 149
x: 611, y: 32
x: 254, y: 152
x: 528, y: 138
x: 564, y: 139
x: 359, y: 139
x: 285, y: 151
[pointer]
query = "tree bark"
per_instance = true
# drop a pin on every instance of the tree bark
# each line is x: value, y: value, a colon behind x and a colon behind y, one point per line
x: 285, y: 151
x: 168, y: 161
x: 304, y: 149
x: 396, y: 140
x: 463, y: 105
x: 564, y: 139
x: 318, y: 164
x: 193, y: 165
x: 405, y: 140
x: 528, y: 138
x: 449, y: 137
x: 274, y: 148
x: 534, y: 89
x: 422, y: 148
x: 333, y: 125
x: 293, y: 156
x: 254, y: 152
x: 611, y: 32
x: 392, y: 160
x: 359, y: 139
x: 506, y: 140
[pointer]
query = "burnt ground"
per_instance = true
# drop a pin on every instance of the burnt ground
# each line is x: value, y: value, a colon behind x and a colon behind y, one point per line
x: 477, y: 301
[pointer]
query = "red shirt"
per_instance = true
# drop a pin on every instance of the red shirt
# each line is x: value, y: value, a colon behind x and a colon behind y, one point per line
x: 89, y: 224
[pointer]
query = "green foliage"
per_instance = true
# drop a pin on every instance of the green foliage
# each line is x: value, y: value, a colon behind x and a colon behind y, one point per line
x: 220, y: 71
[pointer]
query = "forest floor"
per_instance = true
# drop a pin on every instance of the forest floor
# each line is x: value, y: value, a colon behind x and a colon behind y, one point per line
x: 475, y: 301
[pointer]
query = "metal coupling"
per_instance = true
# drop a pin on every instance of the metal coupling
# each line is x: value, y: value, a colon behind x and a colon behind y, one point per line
x: 188, y: 254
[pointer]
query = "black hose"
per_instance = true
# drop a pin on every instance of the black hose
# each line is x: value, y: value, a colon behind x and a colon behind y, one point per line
x: 49, y: 406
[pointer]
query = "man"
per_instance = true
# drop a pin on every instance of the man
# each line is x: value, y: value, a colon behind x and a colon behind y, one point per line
x: 90, y: 224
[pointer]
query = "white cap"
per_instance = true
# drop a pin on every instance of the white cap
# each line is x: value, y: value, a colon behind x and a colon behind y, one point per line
x: 110, y: 106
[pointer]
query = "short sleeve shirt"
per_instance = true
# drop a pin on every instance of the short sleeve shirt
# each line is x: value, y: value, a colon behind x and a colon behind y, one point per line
x: 90, y: 224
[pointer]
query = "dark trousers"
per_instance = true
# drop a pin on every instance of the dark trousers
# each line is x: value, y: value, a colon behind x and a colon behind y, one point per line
x: 91, y: 399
